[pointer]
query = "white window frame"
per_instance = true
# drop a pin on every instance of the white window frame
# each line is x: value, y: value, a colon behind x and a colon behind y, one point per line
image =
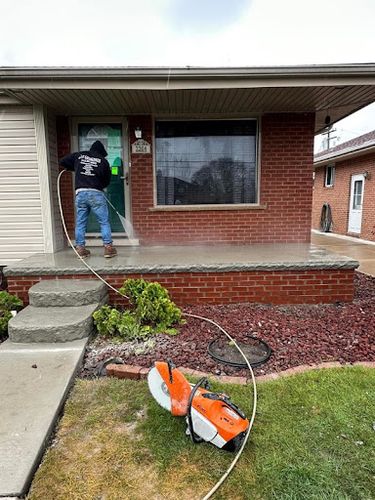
x: 333, y: 171
x: 223, y: 206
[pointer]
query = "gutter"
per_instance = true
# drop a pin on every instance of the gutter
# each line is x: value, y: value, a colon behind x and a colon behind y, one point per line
x: 131, y: 72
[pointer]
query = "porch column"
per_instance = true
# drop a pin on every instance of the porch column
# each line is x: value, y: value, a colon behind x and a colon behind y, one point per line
x: 44, y: 172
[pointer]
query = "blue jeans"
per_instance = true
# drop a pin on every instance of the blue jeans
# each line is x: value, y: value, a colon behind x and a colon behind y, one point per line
x: 87, y: 201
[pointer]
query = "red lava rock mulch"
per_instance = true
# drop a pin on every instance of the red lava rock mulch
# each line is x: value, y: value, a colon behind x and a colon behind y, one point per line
x: 298, y: 335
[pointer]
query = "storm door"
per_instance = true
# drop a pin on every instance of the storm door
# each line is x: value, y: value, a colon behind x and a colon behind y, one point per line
x: 356, y: 202
x: 111, y: 135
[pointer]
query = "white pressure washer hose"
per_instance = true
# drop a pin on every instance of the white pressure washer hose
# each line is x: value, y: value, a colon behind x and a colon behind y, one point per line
x: 251, y: 422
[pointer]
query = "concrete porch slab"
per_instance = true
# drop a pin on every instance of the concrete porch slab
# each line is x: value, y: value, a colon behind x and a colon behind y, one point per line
x: 193, y: 258
x: 35, y: 380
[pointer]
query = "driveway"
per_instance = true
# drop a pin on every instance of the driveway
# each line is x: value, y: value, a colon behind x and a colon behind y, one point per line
x: 363, y: 252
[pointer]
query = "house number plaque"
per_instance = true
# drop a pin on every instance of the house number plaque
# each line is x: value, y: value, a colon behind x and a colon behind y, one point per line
x: 141, y: 146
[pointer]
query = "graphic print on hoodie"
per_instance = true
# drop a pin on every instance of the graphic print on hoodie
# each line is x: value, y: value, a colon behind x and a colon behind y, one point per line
x: 92, y: 170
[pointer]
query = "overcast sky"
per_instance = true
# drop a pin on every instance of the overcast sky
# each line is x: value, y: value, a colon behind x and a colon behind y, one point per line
x: 191, y: 32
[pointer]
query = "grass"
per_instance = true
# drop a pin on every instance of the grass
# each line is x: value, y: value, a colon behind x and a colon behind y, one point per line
x: 313, y: 439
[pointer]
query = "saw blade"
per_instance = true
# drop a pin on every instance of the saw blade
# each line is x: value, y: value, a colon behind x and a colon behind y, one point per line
x: 159, y: 389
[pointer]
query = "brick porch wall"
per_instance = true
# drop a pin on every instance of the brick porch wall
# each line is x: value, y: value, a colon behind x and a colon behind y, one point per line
x: 271, y: 287
x: 338, y: 196
x: 64, y: 148
x: 285, y: 188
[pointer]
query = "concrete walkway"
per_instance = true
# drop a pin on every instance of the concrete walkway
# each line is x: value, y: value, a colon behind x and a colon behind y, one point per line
x: 32, y: 392
x: 363, y: 252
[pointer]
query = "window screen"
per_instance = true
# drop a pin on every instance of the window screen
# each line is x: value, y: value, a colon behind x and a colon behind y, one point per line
x: 206, y: 162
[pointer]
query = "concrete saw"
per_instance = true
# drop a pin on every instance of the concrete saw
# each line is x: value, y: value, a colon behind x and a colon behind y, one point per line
x: 210, y: 416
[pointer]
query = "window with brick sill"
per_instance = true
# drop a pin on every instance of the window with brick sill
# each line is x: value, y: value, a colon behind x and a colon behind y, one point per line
x: 329, y: 176
x: 206, y: 162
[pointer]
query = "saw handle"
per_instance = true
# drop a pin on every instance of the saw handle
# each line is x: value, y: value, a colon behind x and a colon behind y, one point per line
x: 193, y: 436
x: 171, y: 367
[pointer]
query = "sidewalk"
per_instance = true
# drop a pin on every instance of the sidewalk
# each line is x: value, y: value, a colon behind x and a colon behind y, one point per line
x: 363, y: 252
x: 35, y: 380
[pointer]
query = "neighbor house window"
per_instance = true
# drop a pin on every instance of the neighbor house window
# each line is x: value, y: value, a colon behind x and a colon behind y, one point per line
x: 206, y: 162
x: 330, y: 176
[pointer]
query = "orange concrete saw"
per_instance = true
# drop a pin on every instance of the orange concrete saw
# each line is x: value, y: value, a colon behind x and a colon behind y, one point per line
x: 210, y: 416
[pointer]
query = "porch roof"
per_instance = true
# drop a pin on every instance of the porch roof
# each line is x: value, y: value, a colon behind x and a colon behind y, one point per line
x: 334, y: 90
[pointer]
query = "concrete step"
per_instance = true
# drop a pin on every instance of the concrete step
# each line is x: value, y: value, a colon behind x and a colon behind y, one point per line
x: 35, y: 380
x: 52, y: 293
x: 52, y: 324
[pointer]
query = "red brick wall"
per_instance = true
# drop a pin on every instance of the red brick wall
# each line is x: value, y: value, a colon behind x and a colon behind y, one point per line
x: 338, y: 196
x: 273, y: 287
x: 64, y: 148
x: 285, y: 189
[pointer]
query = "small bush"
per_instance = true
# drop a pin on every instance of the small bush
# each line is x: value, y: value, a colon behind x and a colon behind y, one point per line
x: 152, y: 312
x: 112, y: 323
x: 152, y: 304
x: 8, y: 303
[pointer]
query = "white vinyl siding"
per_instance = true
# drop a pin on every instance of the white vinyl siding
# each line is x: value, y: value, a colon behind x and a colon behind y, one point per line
x: 21, y: 228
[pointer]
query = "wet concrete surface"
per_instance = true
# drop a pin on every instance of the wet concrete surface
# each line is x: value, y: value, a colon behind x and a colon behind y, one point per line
x: 363, y: 252
x: 193, y: 258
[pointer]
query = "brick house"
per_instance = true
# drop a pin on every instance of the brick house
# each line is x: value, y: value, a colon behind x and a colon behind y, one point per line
x: 204, y: 158
x: 345, y: 179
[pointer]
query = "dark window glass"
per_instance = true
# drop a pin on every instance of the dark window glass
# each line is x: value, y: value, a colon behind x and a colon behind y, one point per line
x: 206, y: 162
x: 330, y: 173
x: 357, y: 198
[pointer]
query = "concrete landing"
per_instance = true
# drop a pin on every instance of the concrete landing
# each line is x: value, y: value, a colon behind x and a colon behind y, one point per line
x: 187, y: 258
x: 35, y: 380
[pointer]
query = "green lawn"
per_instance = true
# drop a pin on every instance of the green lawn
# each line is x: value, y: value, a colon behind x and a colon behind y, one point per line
x: 313, y: 439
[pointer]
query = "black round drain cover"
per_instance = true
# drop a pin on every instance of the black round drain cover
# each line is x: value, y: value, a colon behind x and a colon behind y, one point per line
x: 256, y: 351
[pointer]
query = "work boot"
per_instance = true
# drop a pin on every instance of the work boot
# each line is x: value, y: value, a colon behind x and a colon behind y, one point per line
x: 109, y: 251
x: 82, y: 251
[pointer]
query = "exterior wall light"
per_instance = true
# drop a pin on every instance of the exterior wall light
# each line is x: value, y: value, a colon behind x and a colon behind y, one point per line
x: 367, y: 175
x: 138, y: 133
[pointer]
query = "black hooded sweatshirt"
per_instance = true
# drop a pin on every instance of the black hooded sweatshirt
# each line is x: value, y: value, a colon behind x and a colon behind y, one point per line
x: 92, y: 170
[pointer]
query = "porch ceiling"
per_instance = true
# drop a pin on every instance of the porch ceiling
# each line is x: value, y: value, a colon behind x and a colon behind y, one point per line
x: 335, y: 90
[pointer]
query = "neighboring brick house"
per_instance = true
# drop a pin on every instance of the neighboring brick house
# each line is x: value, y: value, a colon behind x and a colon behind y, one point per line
x: 198, y: 155
x: 345, y: 179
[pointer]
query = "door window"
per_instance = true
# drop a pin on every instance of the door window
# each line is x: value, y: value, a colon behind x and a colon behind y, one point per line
x: 357, y: 195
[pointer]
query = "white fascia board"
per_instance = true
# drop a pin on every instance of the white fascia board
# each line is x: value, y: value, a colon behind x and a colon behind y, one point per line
x: 345, y: 156
x: 187, y: 77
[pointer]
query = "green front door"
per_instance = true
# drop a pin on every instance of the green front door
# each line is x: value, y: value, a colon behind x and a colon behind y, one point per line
x: 110, y: 134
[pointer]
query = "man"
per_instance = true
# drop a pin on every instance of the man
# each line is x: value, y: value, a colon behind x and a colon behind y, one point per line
x: 92, y: 175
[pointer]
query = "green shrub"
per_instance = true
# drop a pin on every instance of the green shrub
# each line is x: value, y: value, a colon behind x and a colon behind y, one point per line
x: 112, y: 323
x: 152, y: 312
x: 8, y: 303
x: 152, y: 304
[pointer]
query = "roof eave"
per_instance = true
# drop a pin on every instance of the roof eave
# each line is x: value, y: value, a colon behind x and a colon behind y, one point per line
x: 344, y: 156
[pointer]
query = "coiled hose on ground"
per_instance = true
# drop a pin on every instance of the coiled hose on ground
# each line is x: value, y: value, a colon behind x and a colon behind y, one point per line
x: 326, y: 222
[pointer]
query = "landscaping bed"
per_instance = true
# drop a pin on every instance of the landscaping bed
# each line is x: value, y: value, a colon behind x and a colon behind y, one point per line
x: 305, y: 334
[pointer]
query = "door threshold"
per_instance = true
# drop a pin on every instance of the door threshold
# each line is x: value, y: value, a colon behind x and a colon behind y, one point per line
x: 117, y: 242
